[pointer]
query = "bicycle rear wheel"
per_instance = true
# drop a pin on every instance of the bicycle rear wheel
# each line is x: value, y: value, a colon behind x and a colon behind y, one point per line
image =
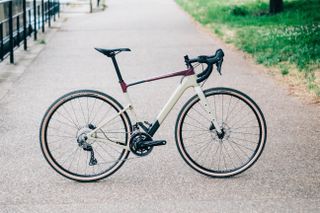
x: 72, y: 116
x: 240, y: 145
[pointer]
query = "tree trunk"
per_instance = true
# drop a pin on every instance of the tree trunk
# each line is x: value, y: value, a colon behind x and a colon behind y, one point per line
x: 276, y: 6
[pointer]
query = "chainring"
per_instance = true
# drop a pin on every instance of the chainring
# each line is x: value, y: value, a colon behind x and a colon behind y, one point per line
x: 136, y: 140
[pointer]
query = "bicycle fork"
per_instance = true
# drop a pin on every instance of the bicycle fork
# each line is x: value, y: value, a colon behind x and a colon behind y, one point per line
x: 208, y: 108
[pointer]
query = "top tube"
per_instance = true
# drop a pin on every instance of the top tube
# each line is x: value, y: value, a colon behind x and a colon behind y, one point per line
x: 187, y: 72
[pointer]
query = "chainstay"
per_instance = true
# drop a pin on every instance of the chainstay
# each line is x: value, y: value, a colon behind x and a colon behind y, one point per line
x: 130, y: 158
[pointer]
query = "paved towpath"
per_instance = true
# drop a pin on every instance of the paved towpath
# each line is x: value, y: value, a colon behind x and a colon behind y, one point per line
x: 286, y: 177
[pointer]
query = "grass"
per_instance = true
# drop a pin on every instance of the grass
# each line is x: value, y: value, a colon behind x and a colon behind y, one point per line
x: 287, y: 40
x: 42, y: 41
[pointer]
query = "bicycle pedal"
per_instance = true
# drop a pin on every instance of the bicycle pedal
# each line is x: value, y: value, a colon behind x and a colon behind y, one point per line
x: 153, y: 143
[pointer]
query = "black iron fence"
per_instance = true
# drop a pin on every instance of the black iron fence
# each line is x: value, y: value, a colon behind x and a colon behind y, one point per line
x: 20, y: 23
x: 93, y: 5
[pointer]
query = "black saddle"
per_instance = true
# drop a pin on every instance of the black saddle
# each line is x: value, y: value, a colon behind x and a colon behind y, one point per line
x: 111, y: 52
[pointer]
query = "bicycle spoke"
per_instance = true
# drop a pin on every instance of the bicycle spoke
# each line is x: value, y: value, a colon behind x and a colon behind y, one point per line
x: 103, y: 117
x: 195, y: 126
x: 68, y: 119
x: 247, y: 127
x: 75, y: 116
x: 230, y: 158
x: 61, y: 122
x: 197, y: 135
x: 222, y: 109
x: 242, y: 122
x: 194, y: 130
x: 84, y: 117
x: 203, y: 151
x: 232, y: 110
x: 62, y: 136
x: 240, y: 145
x: 244, y: 140
x: 214, y: 155
x: 94, y: 104
x: 197, y: 121
x: 73, y: 158
x: 106, y: 151
x: 88, y: 116
x: 97, y: 112
x: 201, y: 115
x: 226, y: 154
x: 60, y: 130
x: 230, y: 144
x: 195, y: 144
x: 227, y: 114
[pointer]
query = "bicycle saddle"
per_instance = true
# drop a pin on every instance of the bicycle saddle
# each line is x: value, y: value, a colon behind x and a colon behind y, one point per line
x: 111, y: 52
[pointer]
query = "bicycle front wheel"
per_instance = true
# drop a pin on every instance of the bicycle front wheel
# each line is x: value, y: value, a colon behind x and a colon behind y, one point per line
x: 68, y: 120
x: 241, y: 143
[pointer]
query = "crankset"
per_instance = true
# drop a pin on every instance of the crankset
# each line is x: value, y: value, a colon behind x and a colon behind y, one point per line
x: 141, y: 144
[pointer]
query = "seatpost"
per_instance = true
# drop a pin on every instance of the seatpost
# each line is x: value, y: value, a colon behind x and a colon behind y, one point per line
x: 114, y: 61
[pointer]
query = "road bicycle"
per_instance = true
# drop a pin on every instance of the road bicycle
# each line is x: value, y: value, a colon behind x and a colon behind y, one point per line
x: 87, y: 135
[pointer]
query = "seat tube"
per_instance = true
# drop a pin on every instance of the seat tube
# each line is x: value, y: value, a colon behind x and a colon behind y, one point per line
x: 131, y: 108
x: 204, y: 102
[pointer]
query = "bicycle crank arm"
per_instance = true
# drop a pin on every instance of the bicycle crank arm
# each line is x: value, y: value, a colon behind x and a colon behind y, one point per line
x: 152, y: 143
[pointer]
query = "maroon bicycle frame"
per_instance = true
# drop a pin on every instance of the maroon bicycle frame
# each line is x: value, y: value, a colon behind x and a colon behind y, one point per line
x: 187, y: 72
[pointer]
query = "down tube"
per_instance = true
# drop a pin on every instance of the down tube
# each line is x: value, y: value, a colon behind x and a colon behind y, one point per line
x: 187, y: 82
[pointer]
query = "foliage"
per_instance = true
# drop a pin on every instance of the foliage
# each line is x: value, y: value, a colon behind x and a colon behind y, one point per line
x: 292, y: 36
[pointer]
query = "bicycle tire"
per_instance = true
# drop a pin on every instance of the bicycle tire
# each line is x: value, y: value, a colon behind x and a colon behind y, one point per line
x: 69, y: 117
x: 210, y: 143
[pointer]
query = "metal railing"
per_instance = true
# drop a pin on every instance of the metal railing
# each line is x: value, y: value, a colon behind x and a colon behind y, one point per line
x: 16, y: 28
x: 92, y: 4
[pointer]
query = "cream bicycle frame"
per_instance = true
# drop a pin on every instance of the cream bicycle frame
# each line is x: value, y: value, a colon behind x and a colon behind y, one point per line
x: 187, y: 82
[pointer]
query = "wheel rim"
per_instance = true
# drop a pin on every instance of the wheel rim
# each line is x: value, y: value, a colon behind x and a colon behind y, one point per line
x: 242, y: 142
x: 67, y: 120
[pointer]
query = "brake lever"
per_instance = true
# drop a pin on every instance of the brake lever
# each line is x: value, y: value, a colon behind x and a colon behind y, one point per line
x: 219, y: 65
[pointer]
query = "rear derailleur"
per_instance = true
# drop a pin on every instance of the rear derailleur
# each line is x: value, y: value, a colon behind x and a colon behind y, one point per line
x: 82, y: 142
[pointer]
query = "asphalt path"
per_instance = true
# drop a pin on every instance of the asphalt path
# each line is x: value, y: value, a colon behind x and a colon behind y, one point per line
x: 285, y: 179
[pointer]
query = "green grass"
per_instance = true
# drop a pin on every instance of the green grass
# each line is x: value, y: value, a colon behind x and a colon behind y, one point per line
x: 42, y: 41
x: 292, y: 36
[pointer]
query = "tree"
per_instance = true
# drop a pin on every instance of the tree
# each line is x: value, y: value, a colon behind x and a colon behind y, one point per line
x: 275, y: 6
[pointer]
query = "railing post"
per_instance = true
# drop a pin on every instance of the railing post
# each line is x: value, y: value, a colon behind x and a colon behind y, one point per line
x: 39, y: 17
x: 1, y: 42
x: 11, y: 33
x: 35, y: 19
x: 49, y: 13
x: 54, y: 10
x: 30, y: 22
x: 18, y: 31
x: 42, y: 10
x: 24, y: 24
x: 58, y: 8
x: 90, y: 6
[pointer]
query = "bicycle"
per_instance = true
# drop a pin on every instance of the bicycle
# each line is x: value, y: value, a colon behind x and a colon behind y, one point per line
x: 87, y: 135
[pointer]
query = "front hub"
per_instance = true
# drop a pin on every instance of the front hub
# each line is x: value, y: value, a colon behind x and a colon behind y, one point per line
x: 221, y: 135
x: 225, y: 131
